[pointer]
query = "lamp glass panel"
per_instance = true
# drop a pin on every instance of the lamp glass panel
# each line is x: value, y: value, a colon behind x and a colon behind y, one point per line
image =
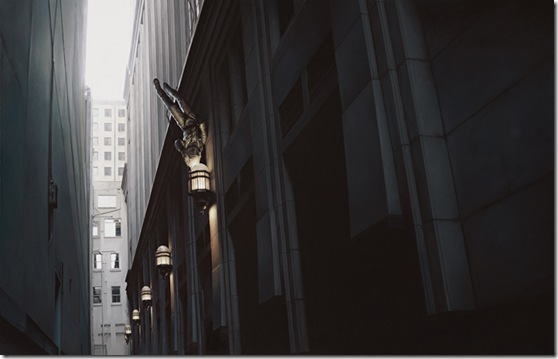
x: 163, y: 259
x: 199, y: 181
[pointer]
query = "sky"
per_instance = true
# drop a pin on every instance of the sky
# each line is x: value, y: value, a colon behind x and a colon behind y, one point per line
x: 108, y: 47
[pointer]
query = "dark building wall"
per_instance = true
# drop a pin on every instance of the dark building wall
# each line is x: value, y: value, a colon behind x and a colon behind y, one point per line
x: 372, y: 194
x: 493, y: 70
x: 44, y: 249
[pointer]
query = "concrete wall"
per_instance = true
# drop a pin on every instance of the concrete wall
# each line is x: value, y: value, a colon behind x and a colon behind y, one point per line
x: 160, y: 41
x: 43, y: 253
x: 114, y: 316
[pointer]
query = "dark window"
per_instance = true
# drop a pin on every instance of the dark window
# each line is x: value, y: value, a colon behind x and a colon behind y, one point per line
x: 95, y: 227
x: 241, y: 185
x: 108, y: 141
x: 114, y: 261
x: 321, y: 65
x: 97, y: 261
x: 121, y: 156
x: 121, y: 113
x: 285, y: 12
x: 291, y: 108
x: 116, y: 294
x: 108, y: 126
x: 232, y: 84
x: 112, y: 228
x: 121, y: 141
x: 97, y: 295
x: 121, y: 127
x: 108, y: 171
x: 108, y: 156
x: 108, y: 112
x: 120, y: 171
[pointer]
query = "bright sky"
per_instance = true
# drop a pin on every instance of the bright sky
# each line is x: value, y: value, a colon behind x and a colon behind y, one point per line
x: 108, y: 47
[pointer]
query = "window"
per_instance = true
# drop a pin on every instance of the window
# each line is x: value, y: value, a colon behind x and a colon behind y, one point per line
x: 114, y: 262
x: 116, y: 294
x: 97, y: 261
x: 121, y: 156
x: 121, y: 141
x: 97, y: 295
x: 108, y: 126
x: 95, y: 229
x: 95, y: 127
x: 108, y: 141
x: 108, y: 112
x: 95, y: 170
x: 120, y: 171
x: 95, y: 112
x: 285, y: 12
x: 121, y: 113
x: 95, y: 141
x: 108, y: 171
x: 95, y: 155
x: 106, y: 201
x: 113, y: 228
x: 121, y: 127
x: 108, y: 156
x: 291, y: 108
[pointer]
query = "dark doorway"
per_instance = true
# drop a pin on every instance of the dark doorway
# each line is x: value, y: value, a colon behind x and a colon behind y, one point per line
x: 316, y: 165
x: 263, y: 327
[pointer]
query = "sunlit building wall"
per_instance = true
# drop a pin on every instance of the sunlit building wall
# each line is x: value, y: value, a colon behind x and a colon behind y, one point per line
x: 44, y: 176
x: 160, y: 40
x: 161, y: 36
x: 109, y: 140
x: 109, y: 252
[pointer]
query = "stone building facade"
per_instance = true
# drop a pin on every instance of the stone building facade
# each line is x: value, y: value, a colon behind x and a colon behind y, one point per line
x: 382, y: 177
x: 109, y: 249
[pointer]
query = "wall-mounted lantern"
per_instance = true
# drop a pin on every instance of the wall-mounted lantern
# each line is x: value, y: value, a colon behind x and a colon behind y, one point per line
x: 136, y: 317
x: 146, y: 297
x: 199, y: 186
x: 128, y: 333
x: 164, y: 261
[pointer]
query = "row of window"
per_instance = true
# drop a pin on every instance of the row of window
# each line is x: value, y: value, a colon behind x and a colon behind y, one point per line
x: 98, y: 298
x: 108, y: 127
x: 98, y: 261
x: 108, y: 112
x: 107, y: 171
x: 108, y: 156
x: 108, y: 141
x: 113, y: 228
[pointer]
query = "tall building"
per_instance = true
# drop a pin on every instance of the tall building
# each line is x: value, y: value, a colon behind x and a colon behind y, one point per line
x: 382, y: 178
x: 109, y: 252
x: 44, y: 176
